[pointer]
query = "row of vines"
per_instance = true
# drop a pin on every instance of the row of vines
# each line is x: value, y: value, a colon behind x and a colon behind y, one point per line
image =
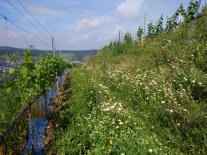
x: 24, y: 83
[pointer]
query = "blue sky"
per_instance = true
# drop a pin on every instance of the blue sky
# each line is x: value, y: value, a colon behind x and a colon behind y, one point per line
x: 78, y: 24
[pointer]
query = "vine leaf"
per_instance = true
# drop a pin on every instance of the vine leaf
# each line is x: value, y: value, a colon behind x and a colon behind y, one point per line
x: 11, y: 70
x: 8, y: 90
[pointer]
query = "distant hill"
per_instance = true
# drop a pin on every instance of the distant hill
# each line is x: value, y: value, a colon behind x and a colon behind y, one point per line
x: 79, y: 55
x: 7, y: 50
x: 75, y: 55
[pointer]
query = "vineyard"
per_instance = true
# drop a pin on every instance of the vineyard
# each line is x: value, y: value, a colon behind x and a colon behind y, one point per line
x: 24, y: 95
x: 134, y: 97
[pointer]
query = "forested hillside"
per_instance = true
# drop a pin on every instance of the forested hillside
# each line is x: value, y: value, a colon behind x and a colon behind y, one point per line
x: 73, y: 55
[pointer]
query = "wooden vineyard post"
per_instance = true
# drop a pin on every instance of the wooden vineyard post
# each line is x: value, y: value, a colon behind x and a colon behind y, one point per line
x: 143, y: 39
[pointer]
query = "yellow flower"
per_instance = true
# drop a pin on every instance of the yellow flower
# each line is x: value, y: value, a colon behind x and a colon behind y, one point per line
x: 110, y: 142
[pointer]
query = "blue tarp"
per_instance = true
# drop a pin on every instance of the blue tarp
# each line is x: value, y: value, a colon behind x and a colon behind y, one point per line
x: 44, y: 103
x: 47, y: 106
x: 29, y: 143
x: 52, y: 93
x: 59, y: 81
x: 37, y: 131
x: 41, y: 102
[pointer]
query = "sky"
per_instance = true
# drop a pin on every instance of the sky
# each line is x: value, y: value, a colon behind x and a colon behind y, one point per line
x: 77, y: 24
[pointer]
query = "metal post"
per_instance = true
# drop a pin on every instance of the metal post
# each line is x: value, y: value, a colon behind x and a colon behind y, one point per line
x: 119, y: 36
x: 145, y: 17
x: 53, y: 46
x: 143, y: 38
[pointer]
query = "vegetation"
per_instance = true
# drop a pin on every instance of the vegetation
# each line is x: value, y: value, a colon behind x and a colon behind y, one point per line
x: 128, y: 38
x: 140, y: 33
x: 134, y: 98
x: 22, y: 85
x: 79, y: 55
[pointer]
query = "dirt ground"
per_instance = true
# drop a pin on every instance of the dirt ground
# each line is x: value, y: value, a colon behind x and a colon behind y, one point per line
x: 57, y: 106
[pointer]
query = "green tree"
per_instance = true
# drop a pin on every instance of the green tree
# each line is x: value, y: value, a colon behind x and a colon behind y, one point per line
x: 151, y: 29
x: 140, y: 33
x: 159, y: 25
x: 172, y: 21
x: 169, y: 24
x: 128, y: 38
x: 181, y: 10
x: 191, y: 11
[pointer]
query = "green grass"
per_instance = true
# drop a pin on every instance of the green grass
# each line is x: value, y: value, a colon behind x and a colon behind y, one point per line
x: 140, y: 99
x: 9, y: 108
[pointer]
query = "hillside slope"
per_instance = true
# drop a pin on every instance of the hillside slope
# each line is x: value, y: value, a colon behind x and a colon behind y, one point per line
x: 134, y: 98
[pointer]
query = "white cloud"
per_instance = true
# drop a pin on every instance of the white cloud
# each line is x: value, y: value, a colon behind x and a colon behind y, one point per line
x: 91, y: 23
x: 83, y: 37
x: 12, y: 38
x: 75, y: 39
x: 112, y: 34
x: 10, y: 34
x: 115, y: 33
x: 129, y: 8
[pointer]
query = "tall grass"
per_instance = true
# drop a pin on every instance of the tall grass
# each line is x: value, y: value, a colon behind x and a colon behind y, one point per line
x: 140, y: 99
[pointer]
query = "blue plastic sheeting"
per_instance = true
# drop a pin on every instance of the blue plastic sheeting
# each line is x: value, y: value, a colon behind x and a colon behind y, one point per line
x: 41, y: 102
x: 44, y: 103
x: 29, y: 143
x: 52, y: 93
x: 66, y: 71
x: 37, y: 131
x: 59, y: 81
x: 47, y: 106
